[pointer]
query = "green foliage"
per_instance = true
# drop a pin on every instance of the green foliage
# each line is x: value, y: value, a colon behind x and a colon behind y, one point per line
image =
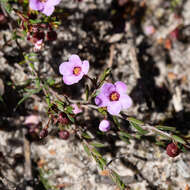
x: 97, y: 144
x: 178, y: 139
x: 44, y: 180
x: 138, y: 128
x: 165, y: 128
x: 6, y: 5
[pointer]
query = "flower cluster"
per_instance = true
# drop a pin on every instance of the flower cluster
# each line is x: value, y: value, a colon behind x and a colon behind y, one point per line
x: 73, y: 70
x: 114, y: 97
x: 45, y: 6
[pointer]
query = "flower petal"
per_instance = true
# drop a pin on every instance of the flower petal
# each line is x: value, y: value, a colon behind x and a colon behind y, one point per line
x: 71, y: 79
x: 114, y: 107
x: 107, y: 88
x: 126, y: 101
x: 85, y: 67
x: 48, y: 10
x: 36, y: 5
x: 75, y: 59
x: 121, y: 87
x: 101, y: 100
x: 66, y: 68
x: 51, y: 3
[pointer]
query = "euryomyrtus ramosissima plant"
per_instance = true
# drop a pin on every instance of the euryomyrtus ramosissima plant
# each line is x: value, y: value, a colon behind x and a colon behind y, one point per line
x: 45, y: 6
x: 73, y: 70
x: 114, y: 97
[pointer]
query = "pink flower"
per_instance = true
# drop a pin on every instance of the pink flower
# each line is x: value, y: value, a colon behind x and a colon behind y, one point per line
x: 76, y: 109
x: 32, y: 120
x: 149, y: 30
x: 104, y: 125
x: 45, y: 6
x: 73, y: 70
x: 114, y: 97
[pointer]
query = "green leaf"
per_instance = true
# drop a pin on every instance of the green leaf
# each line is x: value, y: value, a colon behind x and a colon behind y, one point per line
x: 165, y: 128
x: 138, y: 128
x: 69, y: 109
x: 60, y: 105
x: 98, y: 145
x: 123, y: 138
x: 118, y: 181
x: 70, y: 118
x: 95, y: 152
x: 48, y: 101
x: 136, y: 121
x: 127, y: 135
x: 101, y: 162
x: 36, y: 21
x: 31, y: 92
x: 105, y: 74
x: 178, y: 139
x: 86, y: 149
x: 50, y: 81
x: 6, y: 5
x: 1, y: 99
x: 87, y: 92
x: 86, y: 135
x: 115, y: 119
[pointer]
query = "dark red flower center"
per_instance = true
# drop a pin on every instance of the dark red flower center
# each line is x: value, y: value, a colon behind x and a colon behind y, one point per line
x: 114, y: 96
x: 43, y: 1
x: 77, y: 71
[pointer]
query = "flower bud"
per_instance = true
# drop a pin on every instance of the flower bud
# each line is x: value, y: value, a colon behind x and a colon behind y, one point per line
x: 64, y: 134
x: 43, y: 133
x: 51, y: 35
x: 39, y: 35
x: 104, y: 125
x: 62, y: 118
x: 172, y: 150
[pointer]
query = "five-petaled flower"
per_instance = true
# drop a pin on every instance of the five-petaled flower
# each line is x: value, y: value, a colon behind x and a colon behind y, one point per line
x: 104, y: 125
x: 114, y: 97
x: 73, y: 70
x: 45, y: 6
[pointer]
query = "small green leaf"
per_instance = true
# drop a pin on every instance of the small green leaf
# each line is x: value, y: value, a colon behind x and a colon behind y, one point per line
x: 105, y: 74
x: 123, y: 138
x: 86, y: 92
x: 135, y: 121
x: 95, y: 152
x: 86, y: 149
x: 31, y: 92
x: 138, y: 128
x: 101, y: 162
x: 165, y: 128
x: 125, y: 134
x: 50, y: 81
x: 36, y: 21
x: 86, y: 135
x: 69, y: 109
x: 115, y: 119
x: 98, y: 145
x: 70, y: 118
x: 60, y: 107
x: 1, y: 99
x: 178, y: 139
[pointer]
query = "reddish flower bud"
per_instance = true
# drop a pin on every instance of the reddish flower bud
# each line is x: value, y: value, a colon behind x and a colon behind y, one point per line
x: 174, y: 35
x: 172, y: 150
x: 64, y: 134
x: 62, y: 118
x: 51, y: 35
x: 43, y: 133
x: 3, y: 19
x: 38, y: 36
